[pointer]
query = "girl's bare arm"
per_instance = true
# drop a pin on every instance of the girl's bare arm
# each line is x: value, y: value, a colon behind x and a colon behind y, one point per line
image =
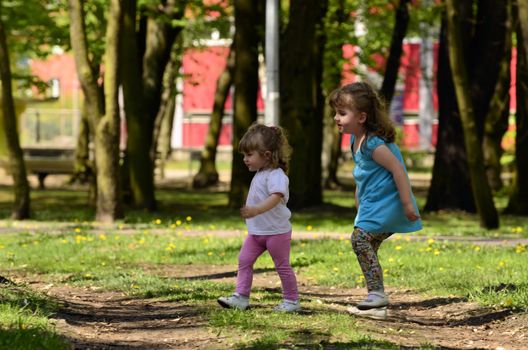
x: 383, y: 156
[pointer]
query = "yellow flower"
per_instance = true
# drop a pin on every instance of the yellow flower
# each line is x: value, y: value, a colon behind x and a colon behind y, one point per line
x: 172, y: 226
x: 398, y: 247
x: 430, y: 241
x: 391, y: 260
x: 157, y: 221
x: 77, y: 230
x: 309, y: 227
x: 178, y: 222
x: 188, y: 218
x: 209, y: 253
x: 102, y: 237
x: 335, y: 269
x: 502, y: 264
x: 520, y: 248
x: 436, y: 252
x: 340, y: 253
x: 476, y: 248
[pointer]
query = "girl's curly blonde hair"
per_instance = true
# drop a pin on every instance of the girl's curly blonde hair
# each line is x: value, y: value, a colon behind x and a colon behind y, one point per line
x: 261, y: 138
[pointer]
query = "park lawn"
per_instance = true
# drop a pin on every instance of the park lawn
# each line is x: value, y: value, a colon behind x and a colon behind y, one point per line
x: 208, y: 211
x: 116, y: 259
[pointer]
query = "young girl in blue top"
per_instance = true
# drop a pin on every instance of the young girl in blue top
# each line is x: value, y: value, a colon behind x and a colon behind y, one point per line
x: 384, y: 200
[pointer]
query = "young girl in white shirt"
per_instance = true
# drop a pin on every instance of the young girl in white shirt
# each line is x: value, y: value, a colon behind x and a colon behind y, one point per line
x: 266, y: 151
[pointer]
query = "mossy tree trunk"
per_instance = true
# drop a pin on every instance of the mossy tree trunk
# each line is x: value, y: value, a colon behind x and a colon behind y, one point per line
x: 207, y: 174
x: 335, y: 25
x: 105, y: 121
x: 245, y: 98
x: 481, y: 190
x: 21, y: 207
x: 301, y: 99
x: 148, y: 53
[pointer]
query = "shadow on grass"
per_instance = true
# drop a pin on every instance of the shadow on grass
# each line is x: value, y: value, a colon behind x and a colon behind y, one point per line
x: 18, y: 338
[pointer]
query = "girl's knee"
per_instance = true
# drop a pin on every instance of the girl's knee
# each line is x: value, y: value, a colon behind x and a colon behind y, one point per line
x: 359, y: 243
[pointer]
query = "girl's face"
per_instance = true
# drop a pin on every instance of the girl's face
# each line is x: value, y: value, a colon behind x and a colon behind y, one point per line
x: 349, y: 120
x: 256, y: 161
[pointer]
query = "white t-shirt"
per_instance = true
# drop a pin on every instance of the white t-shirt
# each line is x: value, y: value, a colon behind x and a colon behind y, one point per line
x: 276, y: 220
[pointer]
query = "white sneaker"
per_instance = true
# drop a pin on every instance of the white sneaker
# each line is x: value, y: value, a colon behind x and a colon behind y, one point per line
x: 374, y: 299
x: 288, y: 306
x: 235, y: 301
x: 378, y: 313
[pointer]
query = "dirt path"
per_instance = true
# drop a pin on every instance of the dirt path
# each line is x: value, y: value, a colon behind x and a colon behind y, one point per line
x: 94, y: 319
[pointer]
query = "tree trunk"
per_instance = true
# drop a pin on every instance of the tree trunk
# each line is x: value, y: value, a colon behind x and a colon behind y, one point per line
x: 21, y: 207
x: 245, y: 98
x: 301, y: 102
x: 139, y: 128
x: 142, y: 86
x: 208, y: 175
x: 108, y: 128
x: 481, y: 190
x: 497, y: 120
x: 164, y: 120
x: 105, y: 125
x: 82, y: 167
x: 332, y: 75
x: 517, y: 203
x: 393, y: 62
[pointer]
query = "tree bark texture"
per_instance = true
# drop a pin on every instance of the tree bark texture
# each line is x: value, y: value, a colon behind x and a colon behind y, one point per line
x: 302, y: 101
x: 139, y: 127
x: 21, y: 205
x: 481, y: 190
x: 207, y: 174
x: 393, y: 62
x: 108, y: 128
x: 517, y: 203
x: 332, y: 75
x: 497, y: 119
x: 105, y: 125
x: 142, y: 86
x: 245, y: 98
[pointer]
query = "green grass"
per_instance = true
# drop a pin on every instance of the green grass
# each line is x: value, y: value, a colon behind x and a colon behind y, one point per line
x: 62, y: 245
x: 24, y: 322
x: 491, y: 275
x: 208, y: 211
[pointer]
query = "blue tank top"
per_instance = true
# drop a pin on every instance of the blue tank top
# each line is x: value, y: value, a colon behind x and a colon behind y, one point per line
x: 380, y: 207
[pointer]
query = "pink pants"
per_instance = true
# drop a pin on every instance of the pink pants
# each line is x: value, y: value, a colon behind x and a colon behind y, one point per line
x: 278, y: 247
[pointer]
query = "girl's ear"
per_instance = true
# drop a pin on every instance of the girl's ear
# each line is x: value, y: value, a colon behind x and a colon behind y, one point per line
x: 362, y: 117
x: 267, y: 155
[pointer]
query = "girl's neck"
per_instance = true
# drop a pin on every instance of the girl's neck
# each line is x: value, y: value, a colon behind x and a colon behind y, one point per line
x: 360, y: 134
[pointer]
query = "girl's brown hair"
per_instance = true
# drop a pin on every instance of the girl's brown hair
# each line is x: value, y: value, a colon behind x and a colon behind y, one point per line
x: 361, y: 97
x: 261, y: 138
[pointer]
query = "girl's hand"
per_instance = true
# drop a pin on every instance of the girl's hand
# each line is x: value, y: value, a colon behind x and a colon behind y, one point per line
x: 249, y: 212
x: 410, y: 212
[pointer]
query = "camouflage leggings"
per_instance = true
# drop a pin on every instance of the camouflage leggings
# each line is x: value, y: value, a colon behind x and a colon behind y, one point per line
x: 366, y: 247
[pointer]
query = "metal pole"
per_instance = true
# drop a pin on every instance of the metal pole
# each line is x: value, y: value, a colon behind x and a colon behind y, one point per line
x: 272, y: 110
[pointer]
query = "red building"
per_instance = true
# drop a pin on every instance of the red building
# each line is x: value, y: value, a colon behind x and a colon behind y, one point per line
x: 201, y: 69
